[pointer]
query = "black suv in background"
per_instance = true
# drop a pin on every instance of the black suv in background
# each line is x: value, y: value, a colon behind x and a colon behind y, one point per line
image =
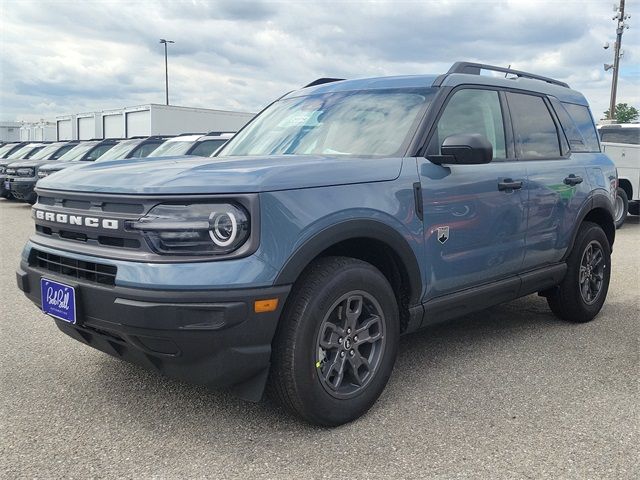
x: 21, y: 175
x: 23, y: 152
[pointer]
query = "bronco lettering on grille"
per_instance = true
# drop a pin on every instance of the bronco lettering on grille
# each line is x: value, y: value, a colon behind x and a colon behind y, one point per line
x: 93, y: 222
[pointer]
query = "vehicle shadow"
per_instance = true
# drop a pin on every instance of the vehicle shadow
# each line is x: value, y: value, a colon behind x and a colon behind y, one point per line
x: 435, y: 347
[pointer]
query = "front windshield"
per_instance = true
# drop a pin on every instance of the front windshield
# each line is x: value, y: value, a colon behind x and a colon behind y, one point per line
x: 45, y: 152
x: 168, y: 149
x: 356, y: 123
x: 121, y: 150
x: 21, y: 152
x: 6, y: 148
x: 76, y: 153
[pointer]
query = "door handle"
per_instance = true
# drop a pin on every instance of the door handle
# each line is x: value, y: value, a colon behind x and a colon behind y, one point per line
x: 509, y: 185
x: 573, y: 180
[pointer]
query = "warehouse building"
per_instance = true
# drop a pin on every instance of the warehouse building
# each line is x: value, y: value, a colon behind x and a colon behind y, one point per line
x: 10, y: 131
x: 146, y: 120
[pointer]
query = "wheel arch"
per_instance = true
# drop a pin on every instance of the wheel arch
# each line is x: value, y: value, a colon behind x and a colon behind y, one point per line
x: 598, y: 210
x: 625, y: 184
x: 365, y: 239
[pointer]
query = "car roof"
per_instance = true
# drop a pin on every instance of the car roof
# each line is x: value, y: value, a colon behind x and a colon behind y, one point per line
x: 454, y: 77
x: 184, y: 138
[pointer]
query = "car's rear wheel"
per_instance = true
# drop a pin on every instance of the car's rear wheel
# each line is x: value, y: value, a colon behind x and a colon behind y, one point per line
x: 336, y: 343
x: 621, y: 207
x: 584, y: 289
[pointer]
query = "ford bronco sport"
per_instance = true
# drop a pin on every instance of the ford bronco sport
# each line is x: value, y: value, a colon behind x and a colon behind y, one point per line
x: 346, y: 214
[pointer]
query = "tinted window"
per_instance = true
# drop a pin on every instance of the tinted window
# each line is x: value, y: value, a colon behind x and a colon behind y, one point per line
x: 472, y: 111
x: 534, y: 129
x: 630, y: 136
x: 99, y: 150
x: 582, y: 118
x: 145, y: 149
x: 62, y: 151
x: 206, y: 148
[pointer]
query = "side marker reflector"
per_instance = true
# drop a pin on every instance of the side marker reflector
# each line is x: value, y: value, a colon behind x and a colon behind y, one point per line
x: 269, y: 305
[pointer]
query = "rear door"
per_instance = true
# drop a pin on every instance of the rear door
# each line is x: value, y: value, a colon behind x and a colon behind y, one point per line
x: 474, y: 215
x: 558, y: 183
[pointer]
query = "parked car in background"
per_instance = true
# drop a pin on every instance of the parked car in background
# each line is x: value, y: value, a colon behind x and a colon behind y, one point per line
x: 24, y: 152
x: 133, y: 148
x: 192, y: 144
x: 8, y: 148
x: 21, y: 176
x: 88, y: 151
x: 345, y: 214
x: 622, y: 143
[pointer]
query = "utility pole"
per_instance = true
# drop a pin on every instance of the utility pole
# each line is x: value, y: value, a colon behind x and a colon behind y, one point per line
x: 166, y: 67
x: 620, y: 17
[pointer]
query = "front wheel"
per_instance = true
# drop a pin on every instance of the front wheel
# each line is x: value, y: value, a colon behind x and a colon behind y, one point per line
x: 584, y: 288
x: 336, y: 343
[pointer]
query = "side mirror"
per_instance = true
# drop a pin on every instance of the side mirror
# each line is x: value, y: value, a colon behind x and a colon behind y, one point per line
x: 464, y: 149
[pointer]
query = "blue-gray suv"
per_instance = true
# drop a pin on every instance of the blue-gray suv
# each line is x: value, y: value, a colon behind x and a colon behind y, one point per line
x: 344, y: 215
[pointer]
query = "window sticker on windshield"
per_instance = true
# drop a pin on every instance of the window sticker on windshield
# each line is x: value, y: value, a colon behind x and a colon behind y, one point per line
x: 301, y: 118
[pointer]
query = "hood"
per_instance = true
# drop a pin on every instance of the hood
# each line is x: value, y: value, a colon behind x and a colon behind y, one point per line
x: 193, y: 175
x: 54, y: 166
x: 29, y: 163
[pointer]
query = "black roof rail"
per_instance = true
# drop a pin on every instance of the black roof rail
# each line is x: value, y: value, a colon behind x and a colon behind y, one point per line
x: 218, y: 133
x: 475, y: 68
x: 320, y: 81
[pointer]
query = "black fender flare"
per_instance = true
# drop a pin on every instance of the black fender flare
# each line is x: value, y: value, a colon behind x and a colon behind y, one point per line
x: 600, y: 201
x: 347, y: 230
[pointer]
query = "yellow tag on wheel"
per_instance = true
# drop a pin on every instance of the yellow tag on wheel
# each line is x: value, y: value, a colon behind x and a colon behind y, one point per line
x: 318, y: 364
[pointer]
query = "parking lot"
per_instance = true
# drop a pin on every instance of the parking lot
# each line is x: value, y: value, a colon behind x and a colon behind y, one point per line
x: 510, y: 392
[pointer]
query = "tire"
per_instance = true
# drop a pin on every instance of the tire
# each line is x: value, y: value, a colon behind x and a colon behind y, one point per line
x: 622, y: 207
x: 634, y: 207
x: 567, y: 301
x: 305, y: 377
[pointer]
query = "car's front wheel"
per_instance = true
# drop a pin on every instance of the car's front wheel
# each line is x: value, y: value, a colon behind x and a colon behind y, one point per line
x: 336, y: 343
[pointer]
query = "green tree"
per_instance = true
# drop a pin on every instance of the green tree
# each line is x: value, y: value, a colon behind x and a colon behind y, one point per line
x: 624, y: 113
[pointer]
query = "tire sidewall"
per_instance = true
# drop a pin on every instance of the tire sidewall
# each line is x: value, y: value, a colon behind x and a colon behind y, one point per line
x: 317, y: 402
x: 589, y: 234
x: 625, y: 207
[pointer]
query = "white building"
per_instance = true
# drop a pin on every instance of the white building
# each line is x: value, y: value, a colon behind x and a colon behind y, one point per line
x: 10, y: 131
x: 146, y: 120
x: 38, y: 132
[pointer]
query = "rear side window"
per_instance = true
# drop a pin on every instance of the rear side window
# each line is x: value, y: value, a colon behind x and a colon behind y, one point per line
x: 472, y: 111
x: 583, y: 121
x: 630, y: 136
x: 535, y: 132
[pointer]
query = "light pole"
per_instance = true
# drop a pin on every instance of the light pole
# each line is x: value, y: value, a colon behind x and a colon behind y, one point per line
x: 620, y: 17
x: 166, y: 68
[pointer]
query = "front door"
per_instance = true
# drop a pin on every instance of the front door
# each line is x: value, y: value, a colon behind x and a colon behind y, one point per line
x: 474, y: 215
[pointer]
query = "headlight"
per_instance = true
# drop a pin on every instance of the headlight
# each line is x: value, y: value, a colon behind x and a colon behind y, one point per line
x: 26, y: 172
x: 2, y: 169
x: 194, y: 229
x: 10, y: 171
x: 42, y: 173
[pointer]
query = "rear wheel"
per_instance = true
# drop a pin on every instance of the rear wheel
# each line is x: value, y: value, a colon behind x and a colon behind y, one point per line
x: 622, y: 207
x: 583, y: 291
x: 336, y: 343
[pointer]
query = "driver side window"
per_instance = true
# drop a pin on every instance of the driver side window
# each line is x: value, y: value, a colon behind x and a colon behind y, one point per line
x: 472, y: 111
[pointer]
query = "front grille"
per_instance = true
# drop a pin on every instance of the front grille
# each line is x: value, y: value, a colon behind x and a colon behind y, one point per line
x: 71, y: 267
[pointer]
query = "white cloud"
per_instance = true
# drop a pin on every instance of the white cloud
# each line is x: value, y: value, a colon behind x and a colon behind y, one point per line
x: 65, y: 56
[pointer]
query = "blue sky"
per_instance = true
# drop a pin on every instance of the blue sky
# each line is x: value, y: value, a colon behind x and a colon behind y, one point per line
x: 64, y: 56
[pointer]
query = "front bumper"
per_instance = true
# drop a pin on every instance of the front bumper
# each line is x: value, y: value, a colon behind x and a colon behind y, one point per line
x: 23, y: 188
x: 208, y: 337
x: 3, y: 191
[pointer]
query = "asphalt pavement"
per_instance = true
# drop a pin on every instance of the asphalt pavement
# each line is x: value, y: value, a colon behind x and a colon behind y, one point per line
x: 510, y: 392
